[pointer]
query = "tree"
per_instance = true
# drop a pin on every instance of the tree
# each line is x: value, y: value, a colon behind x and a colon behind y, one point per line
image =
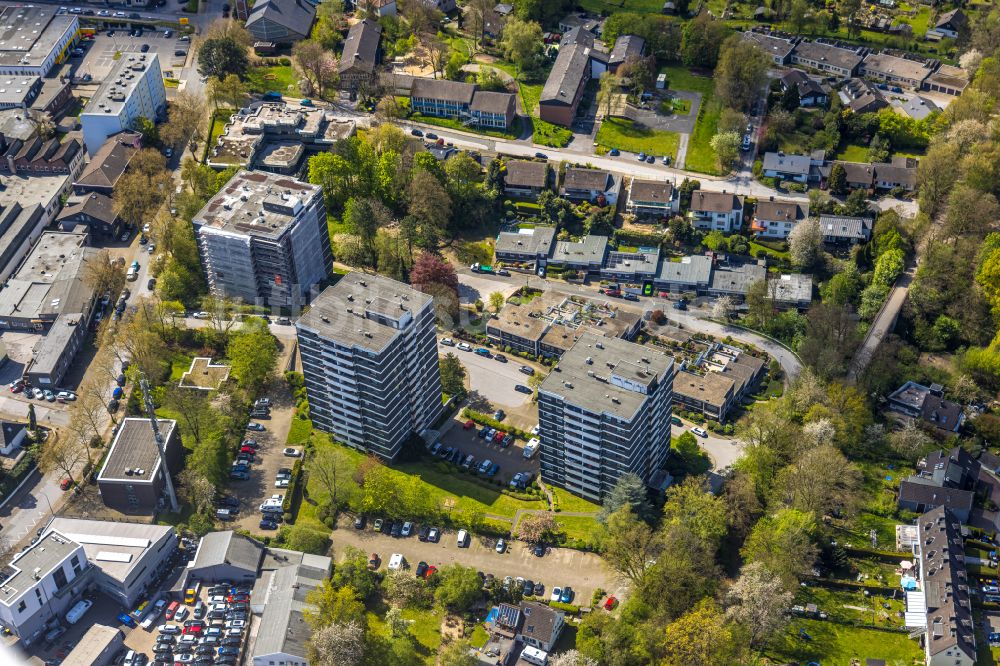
x: 910, y: 441
x: 715, y: 241
x: 629, y: 492
x: 760, y: 303
x: 398, y: 625
x: 457, y: 653
x: 433, y: 275
x: 232, y: 30
x: 196, y: 489
x: 692, y: 506
x: 808, y: 485
x: 609, y: 89
x: 692, y: 458
x: 437, y: 50
x: 331, y: 468
x: 727, y: 149
x: 537, y: 527
x: 229, y: 91
x: 185, y: 124
x: 790, y: 100
x: 142, y: 188
x: 878, y: 149
x: 477, y: 13
x: 783, y: 543
x: 805, y: 243
x: 219, y: 56
x: 571, y: 658
x: 405, y: 590
x: 452, y: 374
x: 316, y: 64
x: 700, y: 41
x: 32, y: 419
x: 497, y: 301
x: 741, y: 72
x: 831, y: 337
x: 700, y: 636
x: 458, y: 587
x: 837, y: 183
x: 197, y: 417
x: 102, y: 275
x: 252, y: 353
x: 937, y: 173
x: 521, y: 43
x: 337, y: 645
x: 333, y: 605
x: 723, y: 308
x: 353, y: 571
x: 758, y: 603
x: 64, y: 455
x: 629, y: 545
x: 329, y: 19
x: 430, y: 205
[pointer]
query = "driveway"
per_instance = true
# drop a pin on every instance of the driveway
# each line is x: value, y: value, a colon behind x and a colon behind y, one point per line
x: 584, y: 572
x: 680, y: 123
x: 722, y: 451
x: 492, y: 380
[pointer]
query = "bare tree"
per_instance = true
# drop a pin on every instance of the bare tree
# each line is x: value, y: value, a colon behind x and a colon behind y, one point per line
x: 723, y: 308
x: 196, y: 489
x: 226, y: 29
x: 437, y: 52
x: 330, y: 468
x: 338, y: 645
x: 186, y: 120
x: 102, y: 274
x: 476, y: 13
x: 316, y: 64
x: 758, y: 602
x: 62, y: 454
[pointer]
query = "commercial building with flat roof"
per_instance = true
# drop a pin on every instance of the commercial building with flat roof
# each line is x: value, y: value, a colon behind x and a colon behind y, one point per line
x: 227, y: 556
x: 97, y: 647
x: 283, y: 635
x: 263, y: 238
x: 605, y: 412
x: 369, y: 356
x: 132, y: 90
x: 40, y: 584
x: 128, y: 557
x: 132, y: 479
x: 34, y: 38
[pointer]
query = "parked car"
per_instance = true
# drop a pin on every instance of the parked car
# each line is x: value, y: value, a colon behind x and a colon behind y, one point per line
x: 416, y: 132
x: 527, y: 370
x: 268, y: 524
x: 464, y: 346
x: 256, y: 427
x: 610, y: 603
x: 701, y: 432
x: 499, y: 415
x: 469, y: 425
x: 407, y: 529
x: 434, y: 535
x: 521, y: 388
x: 359, y: 523
x: 423, y: 533
x: 291, y: 452
x: 501, y: 546
x: 421, y: 569
x: 377, y: 525
x: 614, y: 152
x: 395, y: 530
x: 567, y: 595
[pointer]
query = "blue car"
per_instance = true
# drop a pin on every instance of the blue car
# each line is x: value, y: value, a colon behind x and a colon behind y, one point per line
x: 567, y: 595
x: 126, y: 619
x: 494, y: 468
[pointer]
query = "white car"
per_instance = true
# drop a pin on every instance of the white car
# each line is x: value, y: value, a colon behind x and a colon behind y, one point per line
x: 151, y: 248
x: 701, y: 432
x: 447, y: 342
x: 501, y: 546
x: 145, y: 228
x: 396, y: 562
x: 281, y: 483
x: 169, y: 629
x: 200, y: 315
x: 236, y: 624
x: 185, y: 658
x: 181, y: 614
x: 38, y: 393
x: 65, y: 395
x: 292, y: 453
x: 556, y: 594
x: 464, y: 346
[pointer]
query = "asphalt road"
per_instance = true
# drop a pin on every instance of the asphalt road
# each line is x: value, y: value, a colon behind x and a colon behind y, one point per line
x: 584, y: 572
x: 31, y: 507
x: 492, y: 379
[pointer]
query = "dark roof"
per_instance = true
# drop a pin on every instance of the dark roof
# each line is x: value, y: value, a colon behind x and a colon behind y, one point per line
x: 133, y: 455
x: 779, y: 211
x: 946, y: 586
x: 486, y: 101
x: 567, y: 73
x: 827, y: 54
x: 807, y: 87
x: 229, y: 548
x: 858, y: 172
x: 586, y: 179
x: 453, y: 91
x: 920, y: 491
x: 295, y: 15
x: 715, y: 202
x: 526, y: 173
x: 625, y: 47
x: 508, y: 616
x: 840, y: 226
x: 361, y: 46
x: 956, y: 19
x: 110, y: 161
x: 944, y: 414
x: 902, y: 172
x: 651, y: 190
x: 96, y: 205
x: 579, y: 36
x: 864, y: 96
x: 539, y: 621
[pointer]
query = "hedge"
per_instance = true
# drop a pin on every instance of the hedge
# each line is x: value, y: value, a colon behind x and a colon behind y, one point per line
x: 16, y: 475
x: 294, y: 488
x: 889, y: 556
x: 569, y: 609
x: 486, y: 420
x: 982, y: 545
x: 852, y: 585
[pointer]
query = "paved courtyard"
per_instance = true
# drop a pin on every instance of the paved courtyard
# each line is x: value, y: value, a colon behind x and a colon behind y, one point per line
x: 492, y: 380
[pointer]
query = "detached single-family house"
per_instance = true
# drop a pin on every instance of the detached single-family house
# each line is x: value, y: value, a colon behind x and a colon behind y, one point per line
x: 901, y: 173
x: 719, y: 211
x: 11, y: 436
x: 858, y: 176
x: 526, y: 178
x: 843, y: 230
x: 928, y: 404
x: 862, y: 96
x: 281, y: 21
x: 590, y: 184
x: 652, y: 198
x: 787, y: 167
x: 811, y: 93
x: 776, y: 218
x: 360, y: 55
x: 949, y: 25
x: 586, y: 254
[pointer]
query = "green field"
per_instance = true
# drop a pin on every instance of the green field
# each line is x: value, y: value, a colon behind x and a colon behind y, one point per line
x: 280, y: 78
x: 831, y: 643
x: 567, y: 501
x: 543, y: 132
x: 624, y: 135
x: 700, y: 156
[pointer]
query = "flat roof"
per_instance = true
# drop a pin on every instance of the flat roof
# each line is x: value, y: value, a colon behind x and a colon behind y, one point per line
x: 134, y: 448
x: 14, y: 90
x: 257, y: 203
x: 121, y: 82
x: 93, y: 644
x: 45, y: 555
x: 588, y: 249
x: 537, y: 240
x: 694, y: 270
x: 352, y: 311
x: 607, y: 375
x: 711, y: 387
x: 51, y: 280
x: 117, y: 548
x: 283, y: 628
x: 30, y: 33
x: 792, y: 288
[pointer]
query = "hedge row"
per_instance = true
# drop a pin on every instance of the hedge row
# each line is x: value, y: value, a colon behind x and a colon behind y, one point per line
x: 487, y: 420
x: 852, y: 585
x: 294, y: 488
x: 889, y: 556
x: 16, y: 475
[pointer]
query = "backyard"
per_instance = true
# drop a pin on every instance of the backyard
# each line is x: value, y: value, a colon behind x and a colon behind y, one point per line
x: 831, y: 643
x: 700, y: 156
x: 279, y: 78
x: 626, y: 135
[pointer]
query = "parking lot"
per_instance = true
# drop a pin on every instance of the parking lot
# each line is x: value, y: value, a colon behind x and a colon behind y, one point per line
x: 511, y: 458
x: 492, y: 380
x: 584, y: 572
x: 99, y: 56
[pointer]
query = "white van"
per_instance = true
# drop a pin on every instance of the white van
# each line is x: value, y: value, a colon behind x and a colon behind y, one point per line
x: 531, y: 447
x: 396, y: 562
x: 533, y: 655
x: 77, y: 611
x: 463, y: 538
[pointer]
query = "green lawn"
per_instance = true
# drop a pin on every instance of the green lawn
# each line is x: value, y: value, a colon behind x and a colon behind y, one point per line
x: 700, y: 156
x: 770, y: 251
x: 843, y: 606
x: 853, y: 152
x: 280, y: 78
x: 680, y: 107
x: 425, y: 630
x: 179, y: 364
x: 543, y: 132
x: 579, y: 528
x: 624, y: 135
x: 567, y: 501
x: 607, y: 7
x: 833, y: 643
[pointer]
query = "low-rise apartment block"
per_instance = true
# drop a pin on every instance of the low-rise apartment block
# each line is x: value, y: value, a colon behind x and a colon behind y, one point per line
x: 633, y: 266
x: 263, y: 238
x: 716, y: 211
x: 132, y: 479
x: 844, y: 230
x: 838, y: 60
x: 895, y: 70
x: 605, y: 413
x: 777, y: 46
x: 531, y: 246
x: 586, y: 254
x: 709, y: 393
x: 691, y: 273
x: 563, y: 90
x: 652, y: 198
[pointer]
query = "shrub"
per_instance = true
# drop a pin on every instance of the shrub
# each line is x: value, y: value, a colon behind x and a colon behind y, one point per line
x: 569, y: 609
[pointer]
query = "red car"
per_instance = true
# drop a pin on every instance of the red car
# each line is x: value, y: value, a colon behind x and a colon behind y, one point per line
x: 65, y: 483
x: 248, y: 449
x: 193, y: 628
x: 610, y: 603
x: 499, y: 436
x: 238, y: 598
x: 469, y: 425
x: 431, y: 570
x: 16, y: 388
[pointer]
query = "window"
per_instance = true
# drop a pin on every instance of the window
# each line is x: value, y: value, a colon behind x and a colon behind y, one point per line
x: 59, y: 576
x: 76, y: 564
x: 21, y: 606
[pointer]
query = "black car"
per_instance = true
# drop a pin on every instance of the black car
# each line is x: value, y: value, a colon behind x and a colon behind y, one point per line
x: 151, y: 284
x: 424, y: 531
x: 359, y: 523
x: 539, y: 550
x: 166, y: 638
x: 225, y: 660
x: 541, y: 156
x: 421, y: 569
x: 527, y: 370
x: 431, y: 135
x: 205, y: 649
x: 529, y: 588
x: 396, y: 528
x: 521, y: 388
x: 386, y: 526
x: 416, y: 132
x: 267, y: 524
x: 142, y: 239
x: 162, y: 648
x: 226, y: 500
x: 144, y: 48
x: 539, y: 589
x: 500, y: 357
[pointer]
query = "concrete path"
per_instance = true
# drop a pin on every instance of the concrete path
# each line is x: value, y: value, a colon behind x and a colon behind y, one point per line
x: 883, y: 324
x: 682, y: 151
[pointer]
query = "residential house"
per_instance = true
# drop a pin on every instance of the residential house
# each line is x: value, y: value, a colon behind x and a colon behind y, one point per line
x: 281, y: 22
x: 495, y: 20
x: 787, y: 167
x: 525, y: 178
x: 443, y: 6
x: 579, y: 20
x: 596, y: 50
x: 734, y: 280
x: 626, y: 47
x: 462, y: 101
x: 691, y: 273
x: 777, y: 46
x: 946, y: 610
x: 900, y: 173
x: 591, y: 185
x: 710, y: 394
x: 947, y: 79
x: 108, y: 164
x: 586, y: 254
x: 843, y: 62
x: 636, y: 266
x: 360, y: 55
x: 811, y: 93
x: 949, y: 25
x: 776, y: 218
x: 563, y: 89
x: 95, y: 211
x: 652, y: 198
x: 525, y: 245
x: 928, y: 404
x: 791, y: 290
x: 862, y: 96
x: 535, y: 625
x: 844, y: 230
x: 377, y: 8
x: 12, y: 436
x: 857, y: 175
x: 720, y: 211
x: 894, y: 70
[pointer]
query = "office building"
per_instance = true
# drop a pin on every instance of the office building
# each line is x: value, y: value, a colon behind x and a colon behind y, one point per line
x: 132, y: 90
x: 34, y: 38
x: 132, y: 479
x: 603, y: 413
x: 127, y: 557
x: 40, y: 584
x: 369, y: 356
x: 263, y: 238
